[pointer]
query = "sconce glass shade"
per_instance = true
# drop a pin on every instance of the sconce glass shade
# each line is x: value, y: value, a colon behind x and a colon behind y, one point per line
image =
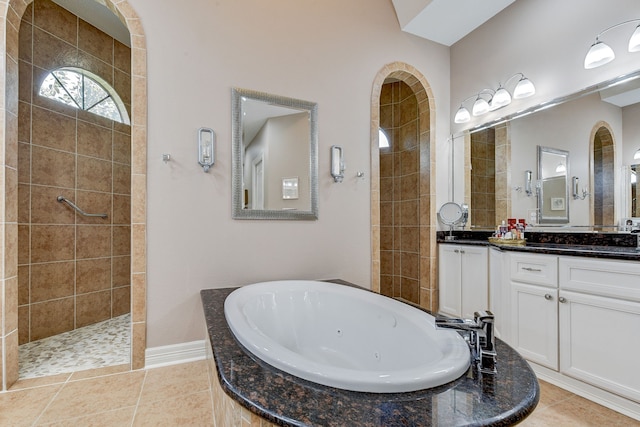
x: 599, y: 54
x: 480, y: 107
x: 337, y: 163
x: 634, y: 41
x: 206, y: 148
x: 462, y: 115
x: 501, y: 98
x: 524, y: 89
x: 636, y: 156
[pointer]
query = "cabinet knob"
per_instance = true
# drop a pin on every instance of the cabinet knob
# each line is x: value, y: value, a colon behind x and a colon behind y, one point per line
x: 562, y: 299
x: 461, y: 252
x: 548, y: 297
x: 456, y: 251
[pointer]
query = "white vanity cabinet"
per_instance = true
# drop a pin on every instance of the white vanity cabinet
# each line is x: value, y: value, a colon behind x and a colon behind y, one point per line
x: 462, y: 279
x: 599, y: 314
x: 533, y: 289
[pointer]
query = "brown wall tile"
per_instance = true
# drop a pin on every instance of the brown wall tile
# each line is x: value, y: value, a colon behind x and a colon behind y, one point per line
x: 45, y: 208
x: 23, y: 285
x: 43, y: 313
x: 56, y: 20
x: 50, y: 52
x: 53, y: 130
x: 94, y: 140
x: 121, y: 240
x: 93, y: 275
x: 122, y: 148
x: 23, y: 324
x: 52, y: 243
x: 52, y: 167
x: 94, y: 174
x: 92, y: 308
x: 121, y: 269
x: 93, y: 241
x: 95, y: 42
x: 121, y: 298
x: 121, y: 209
x: 93, y: 202
x: 52, y: 280
x: 121, y: 179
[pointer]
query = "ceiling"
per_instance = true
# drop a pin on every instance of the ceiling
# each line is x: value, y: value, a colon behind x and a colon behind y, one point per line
x: 445, y: 21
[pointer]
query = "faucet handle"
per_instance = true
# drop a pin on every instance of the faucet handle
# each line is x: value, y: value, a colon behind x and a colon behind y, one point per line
x: 484, y: 316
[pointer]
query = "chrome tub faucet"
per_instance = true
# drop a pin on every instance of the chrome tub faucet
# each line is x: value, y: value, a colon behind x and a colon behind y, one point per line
x: 481, y: 337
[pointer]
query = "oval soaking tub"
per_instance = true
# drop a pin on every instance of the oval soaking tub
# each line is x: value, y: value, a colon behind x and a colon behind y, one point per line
x: 344, y: 337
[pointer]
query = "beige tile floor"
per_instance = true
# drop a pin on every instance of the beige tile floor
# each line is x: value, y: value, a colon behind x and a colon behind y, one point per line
x: 180, y: 395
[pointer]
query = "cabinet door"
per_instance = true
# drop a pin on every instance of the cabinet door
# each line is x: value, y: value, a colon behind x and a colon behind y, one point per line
x: 599, y: 342
x: 534, y: 323
x: 474, y: 272
x: 449, y: 280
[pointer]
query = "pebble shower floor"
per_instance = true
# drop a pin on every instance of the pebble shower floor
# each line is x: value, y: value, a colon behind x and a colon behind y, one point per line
x: 95, y: 346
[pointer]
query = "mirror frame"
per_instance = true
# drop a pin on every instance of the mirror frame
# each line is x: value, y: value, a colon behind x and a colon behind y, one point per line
x: 540, y: 208
x: 237, y: 151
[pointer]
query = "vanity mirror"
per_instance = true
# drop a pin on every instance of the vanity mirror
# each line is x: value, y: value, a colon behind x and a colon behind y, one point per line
x: 275, y: 157
x: 553, y: 189
x: 597, y: 125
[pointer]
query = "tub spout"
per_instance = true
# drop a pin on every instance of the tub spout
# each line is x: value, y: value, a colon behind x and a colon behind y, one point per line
x: 481, y: 337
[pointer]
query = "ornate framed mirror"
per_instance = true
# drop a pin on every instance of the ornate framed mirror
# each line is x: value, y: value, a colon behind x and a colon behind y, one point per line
x: 275, y: 157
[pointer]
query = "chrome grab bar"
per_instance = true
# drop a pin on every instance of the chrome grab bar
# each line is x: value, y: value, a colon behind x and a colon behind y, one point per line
x: 77, y: 209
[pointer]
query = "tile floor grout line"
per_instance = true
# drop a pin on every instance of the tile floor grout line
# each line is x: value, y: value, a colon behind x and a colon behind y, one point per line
x: 55, y: 395
x: 135, y: 411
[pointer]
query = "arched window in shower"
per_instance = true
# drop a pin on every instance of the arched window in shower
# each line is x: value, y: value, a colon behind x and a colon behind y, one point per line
x: 84, y: 90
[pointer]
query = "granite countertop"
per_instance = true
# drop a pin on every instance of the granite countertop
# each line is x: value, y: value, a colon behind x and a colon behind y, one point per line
x: 594, y: 245
x: 473, y: 399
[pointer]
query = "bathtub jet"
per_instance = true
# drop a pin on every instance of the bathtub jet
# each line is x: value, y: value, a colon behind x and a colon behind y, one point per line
x: 345, y: 337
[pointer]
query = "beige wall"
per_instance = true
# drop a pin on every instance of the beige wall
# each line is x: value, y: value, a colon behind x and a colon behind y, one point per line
x: 72, y: 271
x: 327, y: 52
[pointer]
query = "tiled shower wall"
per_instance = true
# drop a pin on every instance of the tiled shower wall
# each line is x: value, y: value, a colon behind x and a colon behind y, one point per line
x: 400, y: 193
x: 603, y: 178
x: 483, y: 178
x: 72, y: 270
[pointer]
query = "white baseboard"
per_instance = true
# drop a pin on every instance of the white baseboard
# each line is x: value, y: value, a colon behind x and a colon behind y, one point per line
x: 174, y: 354
x: 595, y: 394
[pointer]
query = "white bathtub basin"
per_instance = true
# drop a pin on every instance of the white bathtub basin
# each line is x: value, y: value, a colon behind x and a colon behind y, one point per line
x: 344, y: 337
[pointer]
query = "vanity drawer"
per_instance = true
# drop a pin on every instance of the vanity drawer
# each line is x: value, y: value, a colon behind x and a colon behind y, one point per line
x: 610, y: 278
x: 535, y: 269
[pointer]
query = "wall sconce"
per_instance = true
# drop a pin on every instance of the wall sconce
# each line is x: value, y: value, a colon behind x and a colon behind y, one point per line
x: 600, y: 53
x: 527, y: 183
x: 497, y: 98
x: 206, y: 148
x: 575, y: 183
x: 337, y: 163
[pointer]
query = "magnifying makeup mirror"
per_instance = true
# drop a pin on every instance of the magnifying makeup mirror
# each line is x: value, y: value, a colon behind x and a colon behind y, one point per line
x: 452, y: 214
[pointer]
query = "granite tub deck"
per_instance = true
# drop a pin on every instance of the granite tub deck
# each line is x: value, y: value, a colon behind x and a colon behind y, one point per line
x: 284, y: 400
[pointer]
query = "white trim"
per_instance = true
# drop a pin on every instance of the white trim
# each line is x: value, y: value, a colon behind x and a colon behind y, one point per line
x: 174, y: 354
x: 627, y: 407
